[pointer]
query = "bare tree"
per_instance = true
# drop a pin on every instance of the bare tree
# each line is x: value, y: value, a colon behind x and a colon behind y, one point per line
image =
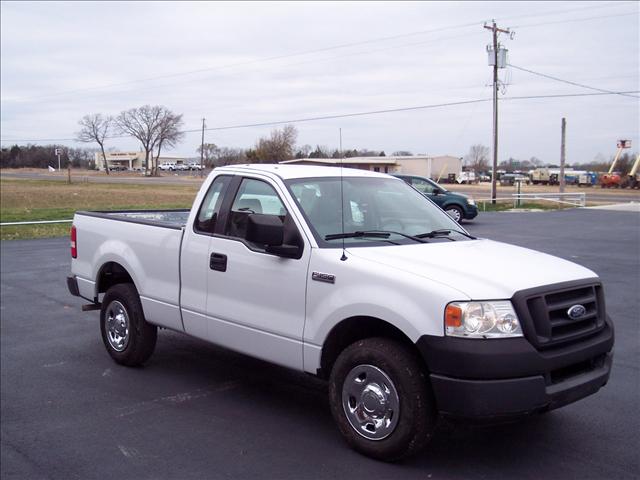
x: 94, y: 128
x: 279, y: 146
x: 143, y: 124
x: 303, y: 151
x: 320, y: 152
x: 478, y: 158
x: 168, y: 133
x: 230, y: 156
x: 209, y: 152
x: 535, y: 161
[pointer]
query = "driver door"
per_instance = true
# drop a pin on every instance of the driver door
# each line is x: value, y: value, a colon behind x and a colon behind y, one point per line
x: 256, y: 300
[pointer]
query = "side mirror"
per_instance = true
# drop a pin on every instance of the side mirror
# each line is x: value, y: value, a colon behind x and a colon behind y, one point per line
x: 268, y: 230
x: 265, y: 229
x: 437, y: 191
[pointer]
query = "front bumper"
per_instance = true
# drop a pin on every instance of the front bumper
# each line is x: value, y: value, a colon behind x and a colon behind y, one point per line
x: 501, y: 378
x: 470, y: 212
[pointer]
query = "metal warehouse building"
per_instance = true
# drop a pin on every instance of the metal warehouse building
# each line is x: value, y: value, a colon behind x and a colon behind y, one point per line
x: 426, y: 166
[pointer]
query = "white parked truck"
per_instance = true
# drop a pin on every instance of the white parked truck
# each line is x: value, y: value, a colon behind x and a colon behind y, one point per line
x: 357, y: 278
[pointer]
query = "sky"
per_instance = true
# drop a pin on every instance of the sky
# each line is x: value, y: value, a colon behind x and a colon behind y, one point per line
x: 247, y: 63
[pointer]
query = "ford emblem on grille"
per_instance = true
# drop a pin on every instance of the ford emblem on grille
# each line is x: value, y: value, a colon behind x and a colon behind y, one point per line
x: 576, y: 311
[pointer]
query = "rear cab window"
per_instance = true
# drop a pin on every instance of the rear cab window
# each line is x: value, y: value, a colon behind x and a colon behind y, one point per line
x: 210, y: 208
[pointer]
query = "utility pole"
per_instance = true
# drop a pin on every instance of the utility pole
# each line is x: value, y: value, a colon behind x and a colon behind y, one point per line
x: 494, y: 28
x: 202, y: 150
x: 58, y: 151
x: 562, y: 153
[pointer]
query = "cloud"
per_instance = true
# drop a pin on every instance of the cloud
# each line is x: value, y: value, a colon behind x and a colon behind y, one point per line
x: 249, y: 65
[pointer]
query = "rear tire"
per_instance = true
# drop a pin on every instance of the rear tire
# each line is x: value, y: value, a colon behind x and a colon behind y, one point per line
x: 381, y: 399
x: 126, y: 335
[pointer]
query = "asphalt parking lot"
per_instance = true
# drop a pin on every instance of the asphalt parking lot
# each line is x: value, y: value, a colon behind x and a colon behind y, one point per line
x: 199, y: 411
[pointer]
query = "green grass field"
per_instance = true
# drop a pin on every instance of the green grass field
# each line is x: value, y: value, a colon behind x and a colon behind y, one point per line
x: 25, y: 200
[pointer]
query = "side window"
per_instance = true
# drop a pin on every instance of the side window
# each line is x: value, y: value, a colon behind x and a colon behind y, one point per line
x: 254, y: 196
x: 210, y: 207
x: 422, y: 186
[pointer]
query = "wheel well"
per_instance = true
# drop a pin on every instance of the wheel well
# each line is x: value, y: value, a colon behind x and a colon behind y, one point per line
x: 111, y: 274
x: 353, y: 329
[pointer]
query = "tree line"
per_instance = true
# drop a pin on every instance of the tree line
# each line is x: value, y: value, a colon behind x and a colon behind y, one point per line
x: 42, y: 156
x: 157, y: 127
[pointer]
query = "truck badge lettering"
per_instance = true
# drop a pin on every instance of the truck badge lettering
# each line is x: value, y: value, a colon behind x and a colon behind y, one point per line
x: 323, y: 277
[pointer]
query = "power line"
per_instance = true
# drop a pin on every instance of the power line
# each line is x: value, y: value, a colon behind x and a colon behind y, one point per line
x: 570, y: 82
x: 304, y: 62
x: 259, y: 60
x: 572, y: 20
x: 346, y: 115
x: 319, y: 50
x: 568, y: 95
x: 570, y: 10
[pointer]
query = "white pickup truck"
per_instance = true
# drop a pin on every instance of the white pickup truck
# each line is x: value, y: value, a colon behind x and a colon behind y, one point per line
x: 357, y: 278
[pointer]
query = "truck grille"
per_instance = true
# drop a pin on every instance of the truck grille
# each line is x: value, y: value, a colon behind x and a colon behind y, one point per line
x: 545, y: 317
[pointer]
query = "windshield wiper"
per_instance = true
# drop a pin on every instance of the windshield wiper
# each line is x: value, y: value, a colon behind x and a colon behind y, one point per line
x: 443, y: 233
x: 371, y: 233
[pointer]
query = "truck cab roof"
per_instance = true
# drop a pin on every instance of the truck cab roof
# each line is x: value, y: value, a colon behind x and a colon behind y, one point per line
x: 300, y: 171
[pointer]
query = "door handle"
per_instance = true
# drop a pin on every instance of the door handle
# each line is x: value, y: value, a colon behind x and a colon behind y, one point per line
x: 218, y: 262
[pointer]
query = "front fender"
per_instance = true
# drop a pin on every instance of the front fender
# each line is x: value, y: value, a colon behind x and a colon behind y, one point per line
x: 415, y: 305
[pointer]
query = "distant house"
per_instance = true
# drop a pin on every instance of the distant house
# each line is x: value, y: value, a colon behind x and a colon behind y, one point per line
x: 436, y: 167
x: 132, y: 160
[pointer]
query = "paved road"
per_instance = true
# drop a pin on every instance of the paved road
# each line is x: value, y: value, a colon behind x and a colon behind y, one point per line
x: 198, y: 411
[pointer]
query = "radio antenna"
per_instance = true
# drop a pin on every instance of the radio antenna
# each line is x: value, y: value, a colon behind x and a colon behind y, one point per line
x: 344, y: 256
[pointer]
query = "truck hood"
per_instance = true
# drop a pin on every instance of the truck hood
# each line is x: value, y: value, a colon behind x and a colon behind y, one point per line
x: 480, y: 269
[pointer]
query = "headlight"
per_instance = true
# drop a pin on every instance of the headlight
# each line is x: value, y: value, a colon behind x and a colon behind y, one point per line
x: 482, y: 320
x: 471, y: 201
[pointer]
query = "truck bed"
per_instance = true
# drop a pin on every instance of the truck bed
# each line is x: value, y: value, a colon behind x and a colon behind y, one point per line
x: 145, y: 243
x: 158, y: 218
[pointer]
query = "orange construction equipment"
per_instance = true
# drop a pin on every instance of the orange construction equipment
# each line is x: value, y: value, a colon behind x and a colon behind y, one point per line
x: 613, y: 179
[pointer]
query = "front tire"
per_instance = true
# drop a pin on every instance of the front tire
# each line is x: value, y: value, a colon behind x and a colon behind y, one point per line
x: 126, y: 335
x: 455, y: 212
x: 381, y: 400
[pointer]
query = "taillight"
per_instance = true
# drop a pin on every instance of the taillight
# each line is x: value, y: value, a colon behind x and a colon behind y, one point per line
x: 74, y: 245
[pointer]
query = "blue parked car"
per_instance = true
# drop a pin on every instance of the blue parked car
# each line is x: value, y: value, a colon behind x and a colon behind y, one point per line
x: 458, y: 206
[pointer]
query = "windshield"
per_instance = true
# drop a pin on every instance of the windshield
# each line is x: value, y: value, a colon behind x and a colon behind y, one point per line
x: 437, y: 185
x: 371, y: 204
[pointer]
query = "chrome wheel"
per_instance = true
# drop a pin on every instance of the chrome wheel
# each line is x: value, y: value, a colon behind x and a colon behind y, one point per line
x: 454, y: 213
x: 370, y: 402
x: 117, y: 326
